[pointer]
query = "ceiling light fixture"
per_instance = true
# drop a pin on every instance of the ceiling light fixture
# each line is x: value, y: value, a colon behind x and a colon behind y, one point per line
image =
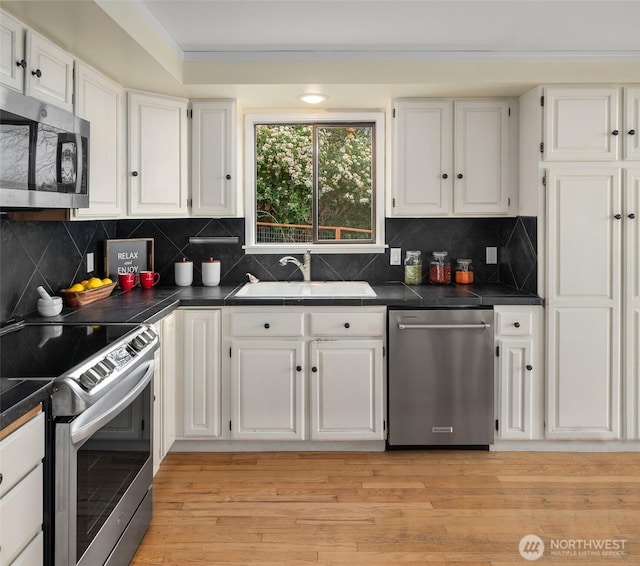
x: 313, y: 98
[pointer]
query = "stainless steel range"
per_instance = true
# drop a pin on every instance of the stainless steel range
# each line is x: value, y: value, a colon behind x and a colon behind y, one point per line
x: 100, y: 447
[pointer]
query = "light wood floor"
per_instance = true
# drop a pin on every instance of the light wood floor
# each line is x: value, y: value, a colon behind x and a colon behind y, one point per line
x: 398, y: 507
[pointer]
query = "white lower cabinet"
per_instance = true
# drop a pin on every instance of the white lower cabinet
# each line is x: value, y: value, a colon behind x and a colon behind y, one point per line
x: 346, y: 384
x: 164, y: 390
x: 305, y: 374
x: 520, y: 375
x: 267, y: 389
x: 21, y: 493
x: 198, y: 387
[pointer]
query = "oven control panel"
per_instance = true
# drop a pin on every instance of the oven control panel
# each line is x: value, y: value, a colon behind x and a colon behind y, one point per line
x: 116, y: 360
x: 90, y: 381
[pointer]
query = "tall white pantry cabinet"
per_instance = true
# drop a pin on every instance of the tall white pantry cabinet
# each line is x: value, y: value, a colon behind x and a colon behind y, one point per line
x: 587, y: 177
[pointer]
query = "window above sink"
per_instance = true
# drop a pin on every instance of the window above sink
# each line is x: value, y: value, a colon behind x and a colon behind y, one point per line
x: 295, y: 166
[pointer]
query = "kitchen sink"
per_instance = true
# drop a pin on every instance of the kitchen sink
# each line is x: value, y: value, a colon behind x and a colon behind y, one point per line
x: 306, y: 289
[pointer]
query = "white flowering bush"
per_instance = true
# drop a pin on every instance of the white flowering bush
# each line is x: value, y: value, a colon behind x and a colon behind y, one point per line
x: 285, y: 174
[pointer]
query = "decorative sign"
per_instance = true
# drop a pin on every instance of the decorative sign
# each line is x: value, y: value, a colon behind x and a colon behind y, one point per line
x: 127, y: 256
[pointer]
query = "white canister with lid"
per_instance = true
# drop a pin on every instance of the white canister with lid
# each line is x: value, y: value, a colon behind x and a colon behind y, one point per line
x: 211, y: 272
x: 184, y: 272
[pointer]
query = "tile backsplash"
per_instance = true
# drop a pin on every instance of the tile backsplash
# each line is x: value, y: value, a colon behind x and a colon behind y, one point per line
x: 53, y: 254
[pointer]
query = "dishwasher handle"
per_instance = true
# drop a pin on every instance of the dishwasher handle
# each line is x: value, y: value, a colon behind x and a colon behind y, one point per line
x: 478, y: 326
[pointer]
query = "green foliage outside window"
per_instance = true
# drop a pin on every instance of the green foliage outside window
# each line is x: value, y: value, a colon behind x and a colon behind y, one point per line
x: 343, y: 181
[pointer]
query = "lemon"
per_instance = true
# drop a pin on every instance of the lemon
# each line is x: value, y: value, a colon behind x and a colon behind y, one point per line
x: 106, y: 281
x: 84, y: 283
x: 94, y: 282
x: 76, y: 287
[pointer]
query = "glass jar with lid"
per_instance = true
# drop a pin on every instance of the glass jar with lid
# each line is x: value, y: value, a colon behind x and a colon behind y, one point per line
x: 440, y: 269
x: 464, y: 272
x: 413, y: 267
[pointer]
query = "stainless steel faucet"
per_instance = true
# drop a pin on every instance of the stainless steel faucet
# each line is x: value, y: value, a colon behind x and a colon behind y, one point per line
x: 305, y: 267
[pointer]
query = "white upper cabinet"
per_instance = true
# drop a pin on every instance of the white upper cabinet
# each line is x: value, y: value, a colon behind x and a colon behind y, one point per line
x: 34, y: 65
x: 213, y: 158
x: 49, y: 72
x: 423, y: 157
x: 631, y: 131
x: 157, y: 169
x: 591, y: 123
x: 101, y: 101
x: 453, y: 157
x: 12, y: 61
x: 481, y: 157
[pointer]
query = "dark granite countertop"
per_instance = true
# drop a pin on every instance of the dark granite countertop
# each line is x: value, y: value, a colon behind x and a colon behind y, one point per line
x: 152, y: 305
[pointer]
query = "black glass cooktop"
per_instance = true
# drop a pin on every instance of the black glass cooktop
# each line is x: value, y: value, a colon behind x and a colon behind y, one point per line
x: 45, y: 351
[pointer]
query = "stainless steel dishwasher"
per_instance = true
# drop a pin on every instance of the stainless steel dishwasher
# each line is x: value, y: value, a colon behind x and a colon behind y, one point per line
x: 441, y: 377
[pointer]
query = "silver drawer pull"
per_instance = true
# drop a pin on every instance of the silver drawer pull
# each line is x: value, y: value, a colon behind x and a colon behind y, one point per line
x: 480, y: 326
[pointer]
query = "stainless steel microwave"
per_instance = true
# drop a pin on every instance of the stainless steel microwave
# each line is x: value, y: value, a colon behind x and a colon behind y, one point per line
x: 44, y: 155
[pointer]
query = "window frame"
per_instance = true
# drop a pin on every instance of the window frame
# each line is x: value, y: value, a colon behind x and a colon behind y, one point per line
x: 350, y: 117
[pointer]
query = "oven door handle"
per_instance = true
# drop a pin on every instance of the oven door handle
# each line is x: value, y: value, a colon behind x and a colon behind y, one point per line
x: 113, y: 403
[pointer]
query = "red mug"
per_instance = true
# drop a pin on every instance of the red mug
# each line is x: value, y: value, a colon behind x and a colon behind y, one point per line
x: 127, y: 281
x: 148, y: 279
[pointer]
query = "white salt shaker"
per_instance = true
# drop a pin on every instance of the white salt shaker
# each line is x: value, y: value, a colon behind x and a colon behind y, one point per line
x: 184, y: 272
x: 211, y: 272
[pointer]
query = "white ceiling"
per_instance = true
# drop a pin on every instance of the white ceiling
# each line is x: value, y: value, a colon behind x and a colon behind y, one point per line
x: 400, y: 29
x: 360, y: 52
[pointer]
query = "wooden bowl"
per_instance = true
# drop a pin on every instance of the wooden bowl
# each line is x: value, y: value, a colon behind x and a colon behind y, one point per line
x: 81, y: 298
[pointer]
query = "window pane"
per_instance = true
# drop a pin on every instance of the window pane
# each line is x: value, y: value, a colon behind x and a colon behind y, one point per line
x: 345, y: 182
x: 314, y: 183
x: 284, y: 183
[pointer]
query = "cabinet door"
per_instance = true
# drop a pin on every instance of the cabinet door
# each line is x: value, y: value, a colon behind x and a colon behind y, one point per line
x: 515, y: 374
x: 201, y: 384
x: 584, y: 236
x: 157, y: 155
x: 632, y: 302
x: 631, y: 131
x: 49, y: 72
x: 100, y: 100
x: 157, y: 408
x: 12, y: 36
x: 423, y: 158
x: 168, y: 357
x: 347, y: 390
x: 267, y: 390
x: 584, y: 304
x: 580, y: 123
x: 164, y: 391
x: 213, y: 163
x: 481, y: 157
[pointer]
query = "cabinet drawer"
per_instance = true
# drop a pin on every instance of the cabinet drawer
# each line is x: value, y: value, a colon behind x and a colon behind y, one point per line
x: 21, y: 515
x: 267, y: 324
x: 515, y: 323
x: 347, y: 324
x: 20, y: 452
